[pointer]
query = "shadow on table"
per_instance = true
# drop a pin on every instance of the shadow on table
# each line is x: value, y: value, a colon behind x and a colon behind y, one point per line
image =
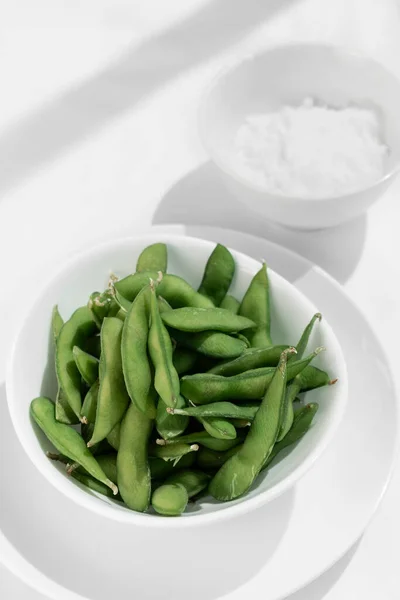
x: 318, y: 589
x: 101, y: 559
x: 54, y: 127
x: 201, y: 199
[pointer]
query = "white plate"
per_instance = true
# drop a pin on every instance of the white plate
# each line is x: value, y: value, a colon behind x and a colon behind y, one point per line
x: 267, y: 554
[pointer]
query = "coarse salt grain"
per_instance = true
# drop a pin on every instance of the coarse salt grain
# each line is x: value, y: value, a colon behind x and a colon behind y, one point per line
x: 312, y: 150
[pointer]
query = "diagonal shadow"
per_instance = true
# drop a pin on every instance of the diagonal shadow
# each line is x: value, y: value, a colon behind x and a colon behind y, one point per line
x: 51, y: 129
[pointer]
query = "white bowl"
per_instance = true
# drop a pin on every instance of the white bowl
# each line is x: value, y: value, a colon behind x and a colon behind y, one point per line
x: 31, y: 371
x: 287, y: 75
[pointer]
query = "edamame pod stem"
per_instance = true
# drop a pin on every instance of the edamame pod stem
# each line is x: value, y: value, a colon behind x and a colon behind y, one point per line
x: 230, y: 303
x: 218, y: 409
x: 67, y: 440
x: 153, y: 258
x: 301, y: 424
x: 237, y: 475
x: 135, y: 362
x: 218, y: 274
x: 206, y: 319
x: 113, y: 398
x: 204, y: 388
x: 211, y: 343
x: 74, y: 332
x: 256, y: 306
x: 166, y: 379
x: 252, y: 358
x: 176, y: 291
x: 88, y: 366
x: 193, y: 480
x: 132, y: 464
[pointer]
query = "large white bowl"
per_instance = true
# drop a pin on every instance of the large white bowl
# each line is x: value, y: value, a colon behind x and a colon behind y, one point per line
x: 287, y: 75
x: 31, y: 371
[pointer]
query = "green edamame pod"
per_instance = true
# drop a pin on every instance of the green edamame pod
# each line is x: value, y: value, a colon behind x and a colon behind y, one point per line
x: 211, y: 343
x: 204, y: 388
x: 135, y: 362
x: 114, y: 436
x: 301, y: 424
x: 176, y: 291
x: 252, y: 358
x: 193, y: 480
x: 206, y: 319
x: 88, y: 366
x: 230, y: 303
x: 172, y: 452
x: 218, y: 427
x: 153, y: 258
x: 212, y: 459
x: 203, y: 438
x: 74, y: 332
x: 113, y: 398
x: 184, y: 359
x: 294, y: 386
x: 305, y: 336
x: 166, y: 379
x: 160, y: 468
x: 169, y: 426
x: 218, y: 274
x: 92, y: 484
x: 108, y: 462
x: 313, y: 378
x: 132, y: 464
x: 219, y: 409
x: 56, y: 323
x: 89, y: 406
x: 256, y: 306
x: 64, y: 413
x: 237, y: 475
x: 170, y: 500
x: 67, y: 440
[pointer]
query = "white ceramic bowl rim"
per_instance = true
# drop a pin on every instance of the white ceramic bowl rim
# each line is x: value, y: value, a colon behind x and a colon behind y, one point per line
x: 233, y: 65
x: 92, y: 503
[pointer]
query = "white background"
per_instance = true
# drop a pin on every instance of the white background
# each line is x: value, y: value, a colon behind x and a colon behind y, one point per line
x: 98, y: 138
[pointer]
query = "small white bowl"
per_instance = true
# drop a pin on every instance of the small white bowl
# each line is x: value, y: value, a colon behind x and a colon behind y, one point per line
x: 31, y: 370
x: 287, y: 75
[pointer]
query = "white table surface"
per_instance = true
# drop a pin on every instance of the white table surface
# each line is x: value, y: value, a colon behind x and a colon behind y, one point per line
x: 98, y: 137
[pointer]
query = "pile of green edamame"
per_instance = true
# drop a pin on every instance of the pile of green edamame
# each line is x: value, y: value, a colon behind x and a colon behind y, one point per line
x: 166, y: 394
